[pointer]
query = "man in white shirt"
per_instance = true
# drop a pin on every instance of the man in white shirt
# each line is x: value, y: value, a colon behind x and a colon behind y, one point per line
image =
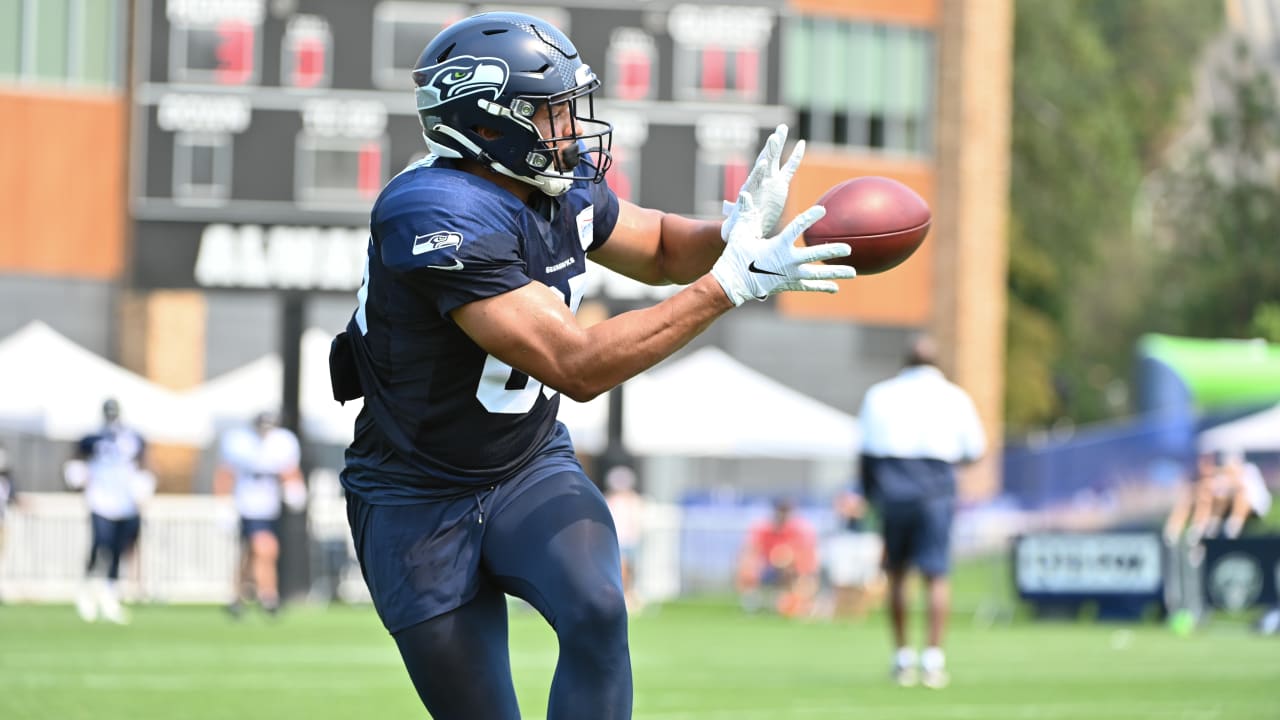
x: 259, y: 467
x: 916, y: 426
x: 109, y: 466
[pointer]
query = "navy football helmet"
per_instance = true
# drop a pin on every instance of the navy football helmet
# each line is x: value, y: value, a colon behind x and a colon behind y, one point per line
x: 497, y: 71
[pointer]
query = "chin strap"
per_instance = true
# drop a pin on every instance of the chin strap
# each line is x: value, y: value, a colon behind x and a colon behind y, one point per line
x: 550, y: 185
x: 553, y: 186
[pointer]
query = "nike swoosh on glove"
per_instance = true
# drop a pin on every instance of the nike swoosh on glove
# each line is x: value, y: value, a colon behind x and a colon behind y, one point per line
x: 767, y: 183
x: 753, y: 267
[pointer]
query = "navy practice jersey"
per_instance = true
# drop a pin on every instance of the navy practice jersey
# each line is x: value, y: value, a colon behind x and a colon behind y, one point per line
x: 440, y: 414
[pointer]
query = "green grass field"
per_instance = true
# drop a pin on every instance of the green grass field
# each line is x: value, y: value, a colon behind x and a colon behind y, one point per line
x: 694, y: 660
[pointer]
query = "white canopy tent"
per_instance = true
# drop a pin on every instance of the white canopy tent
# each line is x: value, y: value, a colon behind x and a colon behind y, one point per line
x: 707, y: 404
x: 1259, y: 432
x: 56, y: 388
x: 237, y: 395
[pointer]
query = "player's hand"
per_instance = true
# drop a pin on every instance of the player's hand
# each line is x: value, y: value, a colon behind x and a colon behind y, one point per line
x: 295, y: 496
x: 768, y: 183
x: 75, y: 473
x: 753, y: 266
x: 1232, y: 528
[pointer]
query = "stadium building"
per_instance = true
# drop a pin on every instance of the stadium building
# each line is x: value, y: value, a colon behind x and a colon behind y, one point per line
x: 186, y: 183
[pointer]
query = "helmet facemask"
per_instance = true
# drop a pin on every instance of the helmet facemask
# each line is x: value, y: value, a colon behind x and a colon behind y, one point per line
x: 588, y: 140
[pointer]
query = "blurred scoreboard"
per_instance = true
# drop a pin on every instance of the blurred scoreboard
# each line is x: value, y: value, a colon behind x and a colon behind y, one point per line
x: 262, y: 130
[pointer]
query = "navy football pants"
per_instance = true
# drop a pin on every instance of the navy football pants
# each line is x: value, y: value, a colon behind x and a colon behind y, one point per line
x: 555, y: 546
x: 112, y: 538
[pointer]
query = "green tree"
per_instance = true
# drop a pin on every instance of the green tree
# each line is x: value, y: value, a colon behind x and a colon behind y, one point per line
x: 1096, y: 90
x: 1223, y: 207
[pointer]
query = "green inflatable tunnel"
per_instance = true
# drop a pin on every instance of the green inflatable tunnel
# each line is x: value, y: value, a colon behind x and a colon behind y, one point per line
x: 1193, y: 376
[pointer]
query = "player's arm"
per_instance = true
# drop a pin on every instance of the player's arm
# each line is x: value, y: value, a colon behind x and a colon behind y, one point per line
x: 1240, y: 509
x: 531, y: 328
x: 292, y: 485
x: 224, y: 478
x: 660, y: 248
x: 75, y: 471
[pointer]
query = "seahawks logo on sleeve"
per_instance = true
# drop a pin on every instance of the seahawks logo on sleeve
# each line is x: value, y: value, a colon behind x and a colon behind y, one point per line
x: 435, y: 243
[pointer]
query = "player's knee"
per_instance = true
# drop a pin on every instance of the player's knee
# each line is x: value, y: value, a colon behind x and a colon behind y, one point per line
x: 599, y: 615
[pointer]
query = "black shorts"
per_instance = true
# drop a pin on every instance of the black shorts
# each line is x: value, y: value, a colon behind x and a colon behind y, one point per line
x: 918, y: 533
x: 252, y: 526
x: 425, y: 559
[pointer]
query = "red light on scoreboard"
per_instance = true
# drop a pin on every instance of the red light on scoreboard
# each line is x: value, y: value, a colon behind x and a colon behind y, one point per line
x: 369, y: 172
x: 308, y: 63
x: 235, y: 52
x: 306, y: 53
x: 733, y: 174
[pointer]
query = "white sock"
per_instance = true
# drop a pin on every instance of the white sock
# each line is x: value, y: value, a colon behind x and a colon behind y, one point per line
x: 933, y: 659
x: 905, y: 657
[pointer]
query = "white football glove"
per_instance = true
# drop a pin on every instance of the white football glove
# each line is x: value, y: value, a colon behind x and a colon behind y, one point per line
x: 767, y: 183
x: 753, y: 267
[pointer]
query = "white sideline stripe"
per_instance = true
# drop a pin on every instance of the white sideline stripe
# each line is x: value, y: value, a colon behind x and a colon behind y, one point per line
x: 1036, y: 711
x: 182, y: 683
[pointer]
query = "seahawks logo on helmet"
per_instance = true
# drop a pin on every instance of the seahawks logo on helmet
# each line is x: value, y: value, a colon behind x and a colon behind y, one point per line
x: 460, y: 76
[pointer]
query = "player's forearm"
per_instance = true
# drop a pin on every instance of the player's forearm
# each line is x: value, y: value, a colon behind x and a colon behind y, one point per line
x: 689, y: 248
x: 626, y: 345
x: 222, y: 481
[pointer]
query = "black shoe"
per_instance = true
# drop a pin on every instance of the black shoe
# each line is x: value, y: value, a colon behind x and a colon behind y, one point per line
x: 234, y: 609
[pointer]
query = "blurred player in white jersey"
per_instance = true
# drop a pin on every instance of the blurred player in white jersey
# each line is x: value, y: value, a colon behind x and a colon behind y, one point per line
x: 259, y: 466
x: 8, y: 494
x: 109, y: 466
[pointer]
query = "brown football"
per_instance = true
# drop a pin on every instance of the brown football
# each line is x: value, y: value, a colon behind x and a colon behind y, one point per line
x: 883, y: 221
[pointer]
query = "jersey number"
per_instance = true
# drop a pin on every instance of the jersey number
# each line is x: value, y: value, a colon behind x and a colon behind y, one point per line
x: 503, y: 389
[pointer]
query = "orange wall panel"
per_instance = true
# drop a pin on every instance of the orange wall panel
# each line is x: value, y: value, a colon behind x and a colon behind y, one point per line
x: 62, y: 184
x: 921, y: 13
x: 901, y: 296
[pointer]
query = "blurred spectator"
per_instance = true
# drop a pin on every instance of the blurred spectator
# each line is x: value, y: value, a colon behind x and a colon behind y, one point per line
x: 1252, y: 501
x: 1221, y: 499
x: 851, y: 557
x: 779, y: 563
x: 851, y: 507
x: 8, y: 494
x: 627, y: 507
x: 915, y: 427
x: 1226, y: 494
x: 109, y: 466
x: 259, y: 467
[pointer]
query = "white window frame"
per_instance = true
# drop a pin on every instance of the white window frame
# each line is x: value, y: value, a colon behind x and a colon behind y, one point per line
x: 187, y: 192
x: 305, y: 189
x: 386, y: 15
x: 178, y: 70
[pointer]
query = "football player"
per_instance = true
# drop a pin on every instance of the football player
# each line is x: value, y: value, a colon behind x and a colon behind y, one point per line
x: 259, y: 467
x: 109, y: 466
x: 461, y: 485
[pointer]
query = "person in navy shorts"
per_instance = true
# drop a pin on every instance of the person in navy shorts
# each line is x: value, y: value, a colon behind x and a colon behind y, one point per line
x: 461, y: 485
x: 916, y: 426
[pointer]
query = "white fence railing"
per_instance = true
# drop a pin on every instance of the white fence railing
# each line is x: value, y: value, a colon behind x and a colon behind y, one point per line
x: 188, y: 549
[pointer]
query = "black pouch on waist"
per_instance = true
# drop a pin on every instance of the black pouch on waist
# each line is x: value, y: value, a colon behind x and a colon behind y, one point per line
x: 343, y: 375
